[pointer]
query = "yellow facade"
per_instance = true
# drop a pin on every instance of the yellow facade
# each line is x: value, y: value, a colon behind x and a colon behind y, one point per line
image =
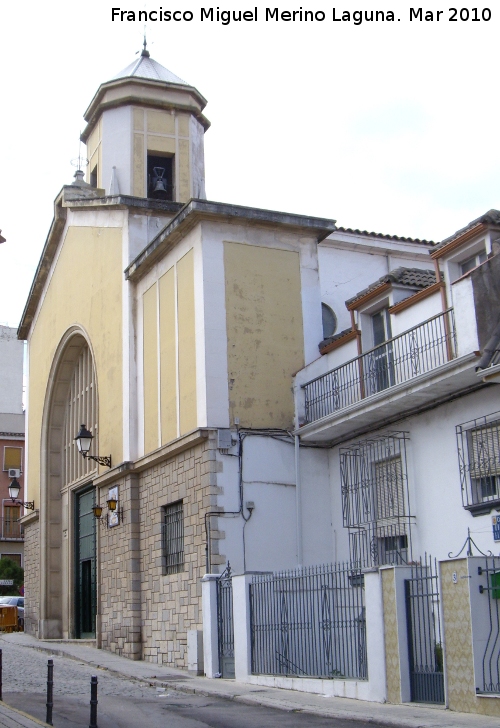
x: 160, y: 122
x: 170, y: 406
x: 85, y: 290
x: 168, y: 358
x: 139, y: 166
x: 187, y: 343
x: 150, y: 349
x: 162, y: 132
x: 264, y: 331
x: 94, y: 152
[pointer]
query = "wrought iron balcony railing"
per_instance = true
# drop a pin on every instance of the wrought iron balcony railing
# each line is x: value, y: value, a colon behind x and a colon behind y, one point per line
x: 417, y: 351
x: 11, y: 530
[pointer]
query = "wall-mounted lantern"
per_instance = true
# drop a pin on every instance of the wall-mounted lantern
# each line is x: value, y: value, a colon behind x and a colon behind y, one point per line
x: 83, y: 442
x: 115, y: 514
x: 14, y: 490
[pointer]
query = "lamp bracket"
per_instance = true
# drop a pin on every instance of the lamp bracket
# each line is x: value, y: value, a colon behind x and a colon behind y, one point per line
x: 29, y: 505
x: 101, y: 459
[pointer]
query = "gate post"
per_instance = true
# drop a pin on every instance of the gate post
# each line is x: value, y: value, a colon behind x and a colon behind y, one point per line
x: 470, y: 632
x: 396, y: 634
x: 375, y: 635
x: 242, y: 633
x: 210, y: 635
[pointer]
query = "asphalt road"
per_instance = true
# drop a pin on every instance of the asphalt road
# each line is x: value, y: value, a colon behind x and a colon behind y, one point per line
x: 125, y: 703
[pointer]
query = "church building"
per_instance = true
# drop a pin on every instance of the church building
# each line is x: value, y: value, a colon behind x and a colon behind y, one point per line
x: 161, y: 325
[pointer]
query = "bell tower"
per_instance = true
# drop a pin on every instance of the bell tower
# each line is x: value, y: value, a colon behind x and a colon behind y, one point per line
x: 144, y: 134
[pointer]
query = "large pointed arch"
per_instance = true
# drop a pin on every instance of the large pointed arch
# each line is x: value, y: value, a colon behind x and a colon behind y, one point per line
x: 71, y: 396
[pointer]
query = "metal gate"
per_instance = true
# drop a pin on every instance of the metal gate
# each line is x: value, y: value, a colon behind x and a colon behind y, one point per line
x: 490, y: 678
x: 425, y: 647
x: 225, y: 628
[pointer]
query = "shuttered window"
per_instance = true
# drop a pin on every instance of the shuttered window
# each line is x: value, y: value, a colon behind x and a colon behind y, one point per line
x: 484, y: 451
x: 484, y: 461
x: 11, y: 526
x: 389, y: 488
x: 12, y: 458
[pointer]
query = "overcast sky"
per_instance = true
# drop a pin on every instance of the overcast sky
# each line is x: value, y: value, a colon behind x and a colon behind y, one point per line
x: 387, y: 126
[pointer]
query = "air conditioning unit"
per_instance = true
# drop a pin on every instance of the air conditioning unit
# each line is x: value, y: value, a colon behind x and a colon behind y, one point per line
x: 14, y: 473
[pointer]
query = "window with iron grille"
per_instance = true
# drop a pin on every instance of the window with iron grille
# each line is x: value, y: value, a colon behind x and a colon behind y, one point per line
x: 478, y: 443
x: 173, y: 537
x: 375, y: 500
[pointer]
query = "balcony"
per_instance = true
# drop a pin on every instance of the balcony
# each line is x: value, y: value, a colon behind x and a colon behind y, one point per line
x: 11, y: 530
x: 393, y: 379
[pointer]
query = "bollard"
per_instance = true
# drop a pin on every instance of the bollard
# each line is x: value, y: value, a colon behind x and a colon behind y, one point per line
x: 1, y: 675
x: 93, y: 702
x: 50, y: 691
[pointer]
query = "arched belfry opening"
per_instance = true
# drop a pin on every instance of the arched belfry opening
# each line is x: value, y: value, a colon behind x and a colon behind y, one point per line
x: 68, y: 537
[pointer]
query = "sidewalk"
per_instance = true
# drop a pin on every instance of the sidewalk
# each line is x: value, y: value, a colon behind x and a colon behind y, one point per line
x: 402, y: 716
x: 12, y: 718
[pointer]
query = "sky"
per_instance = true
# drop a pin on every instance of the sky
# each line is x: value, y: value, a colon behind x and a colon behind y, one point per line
x: 386, y: 126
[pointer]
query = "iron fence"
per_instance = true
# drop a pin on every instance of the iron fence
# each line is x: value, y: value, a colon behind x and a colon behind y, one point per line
x: 491, y: 656
x: 417, y: 351
x: 309, y: 623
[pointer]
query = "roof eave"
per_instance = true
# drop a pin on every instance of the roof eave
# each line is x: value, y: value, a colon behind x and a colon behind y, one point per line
x: 61, y: 205
x: 478, y: 229
x: 91, y: 114
x: 43, y: 267
x: 197, y: 210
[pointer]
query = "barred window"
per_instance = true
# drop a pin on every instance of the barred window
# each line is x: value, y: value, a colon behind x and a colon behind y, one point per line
x: 479, y: 462
x: 375, y: 499
x: 173, y: 537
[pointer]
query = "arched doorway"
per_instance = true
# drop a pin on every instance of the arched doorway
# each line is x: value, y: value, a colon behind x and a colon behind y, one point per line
x: 68, y: 527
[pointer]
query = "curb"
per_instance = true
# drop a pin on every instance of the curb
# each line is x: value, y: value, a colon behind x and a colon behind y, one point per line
x: 244, y: 699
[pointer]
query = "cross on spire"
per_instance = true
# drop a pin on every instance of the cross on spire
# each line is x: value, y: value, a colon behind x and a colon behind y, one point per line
x: 145, y: 51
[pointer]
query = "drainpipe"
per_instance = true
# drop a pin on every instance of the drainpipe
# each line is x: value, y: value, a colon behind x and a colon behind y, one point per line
x: 298, y: 501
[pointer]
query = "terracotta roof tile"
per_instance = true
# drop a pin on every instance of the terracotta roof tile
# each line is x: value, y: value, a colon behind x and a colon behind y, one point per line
x: 492, y: 217
x: 412, y: 277
x: 355, y: 231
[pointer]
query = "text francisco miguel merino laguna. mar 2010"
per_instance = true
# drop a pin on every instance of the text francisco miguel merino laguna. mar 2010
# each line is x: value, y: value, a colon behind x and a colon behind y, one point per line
x: 356, y: 17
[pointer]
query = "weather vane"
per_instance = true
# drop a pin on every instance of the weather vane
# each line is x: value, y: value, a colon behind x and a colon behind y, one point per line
x: 80, y: 161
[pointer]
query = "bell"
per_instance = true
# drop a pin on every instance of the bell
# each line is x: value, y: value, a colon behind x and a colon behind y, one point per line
x: 158, y: 182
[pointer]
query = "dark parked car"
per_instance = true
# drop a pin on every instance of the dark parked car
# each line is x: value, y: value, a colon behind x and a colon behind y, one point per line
x: 15, y: 602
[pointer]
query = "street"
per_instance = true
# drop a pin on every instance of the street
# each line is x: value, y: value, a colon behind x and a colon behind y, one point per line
x: 125, y: 703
